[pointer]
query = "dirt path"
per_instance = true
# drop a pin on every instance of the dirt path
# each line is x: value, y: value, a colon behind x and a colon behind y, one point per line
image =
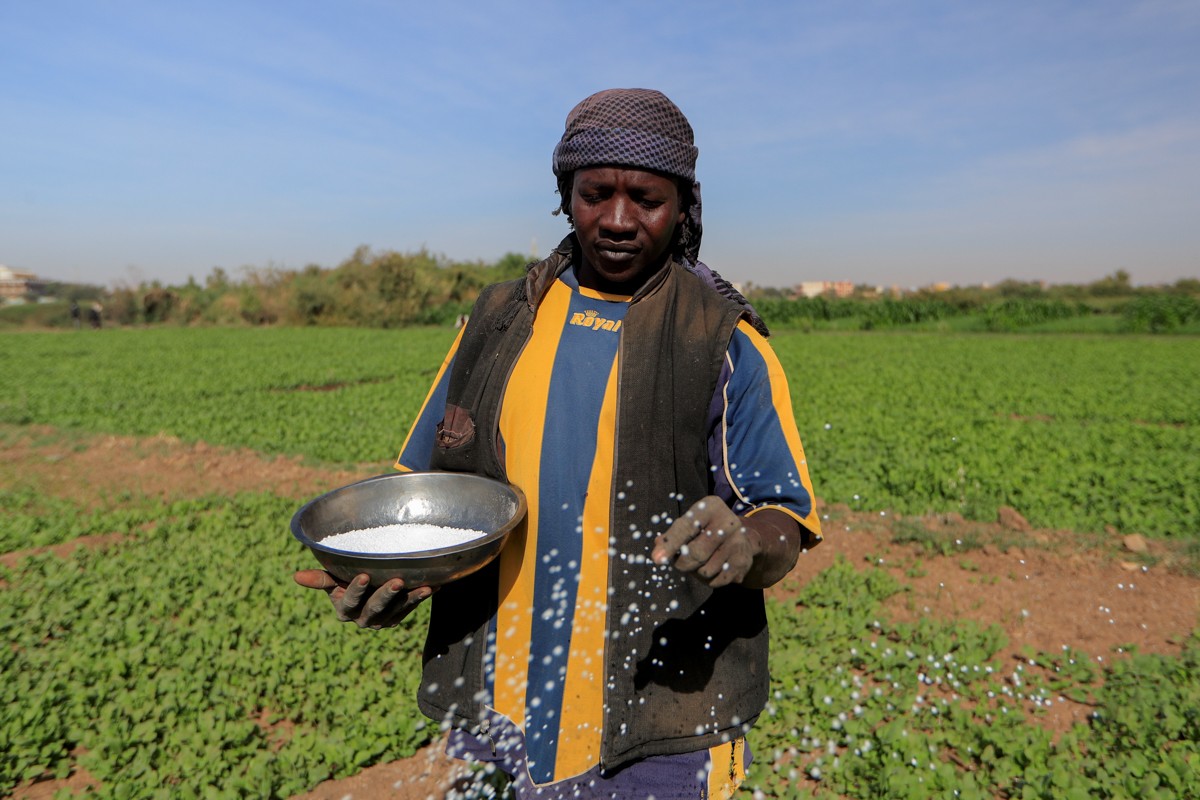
x: 1052, y: 588
x: 93, y: 469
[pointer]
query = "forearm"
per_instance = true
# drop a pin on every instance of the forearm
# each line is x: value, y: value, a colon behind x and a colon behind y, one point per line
x: 777, y: 537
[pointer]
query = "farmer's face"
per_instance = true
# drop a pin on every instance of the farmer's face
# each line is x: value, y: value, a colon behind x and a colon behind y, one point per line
x: 625, y: 219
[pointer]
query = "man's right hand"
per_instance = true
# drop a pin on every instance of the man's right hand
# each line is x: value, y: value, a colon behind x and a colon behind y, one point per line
x: 386, y: 606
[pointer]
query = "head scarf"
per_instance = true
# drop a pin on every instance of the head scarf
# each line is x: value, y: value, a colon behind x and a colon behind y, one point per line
x: 628, y: 127
x: 632, y: 128
x: 641, y: 128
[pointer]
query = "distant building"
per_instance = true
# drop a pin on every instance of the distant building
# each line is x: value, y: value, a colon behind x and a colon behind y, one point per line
x: 15, y: 286
x: 818, y: 288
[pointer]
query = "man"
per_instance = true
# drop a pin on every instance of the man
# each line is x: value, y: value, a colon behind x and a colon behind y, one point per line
x: 618, y: 645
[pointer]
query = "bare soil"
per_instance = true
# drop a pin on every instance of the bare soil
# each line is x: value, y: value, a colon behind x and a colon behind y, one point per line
x: 93, y: 470
x: 1046, y: 589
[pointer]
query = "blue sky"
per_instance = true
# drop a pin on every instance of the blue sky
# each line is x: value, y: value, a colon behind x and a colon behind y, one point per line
x: 884, y: 143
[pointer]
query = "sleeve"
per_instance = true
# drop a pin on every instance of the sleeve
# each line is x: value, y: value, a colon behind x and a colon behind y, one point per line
x: 417, y: 449
x: 754, y: 446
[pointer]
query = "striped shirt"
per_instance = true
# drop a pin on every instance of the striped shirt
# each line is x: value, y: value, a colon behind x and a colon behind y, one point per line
x: 544, y: 672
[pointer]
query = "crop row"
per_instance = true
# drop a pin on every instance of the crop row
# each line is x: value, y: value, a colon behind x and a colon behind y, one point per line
x: 182, y: 662
x: 1074, y: 432
x: 338, y: 395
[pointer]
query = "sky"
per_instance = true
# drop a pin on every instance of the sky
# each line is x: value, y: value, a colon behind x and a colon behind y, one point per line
x: 884, y: 143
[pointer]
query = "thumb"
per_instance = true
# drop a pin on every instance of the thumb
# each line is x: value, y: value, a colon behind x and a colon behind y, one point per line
x: 315, y: 579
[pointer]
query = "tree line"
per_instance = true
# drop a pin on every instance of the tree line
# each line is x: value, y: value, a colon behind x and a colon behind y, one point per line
x: 388, y: 289
x: 385, y: 289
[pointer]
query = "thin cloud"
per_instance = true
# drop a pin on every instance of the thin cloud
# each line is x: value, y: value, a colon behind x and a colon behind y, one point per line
x: 871, y: 138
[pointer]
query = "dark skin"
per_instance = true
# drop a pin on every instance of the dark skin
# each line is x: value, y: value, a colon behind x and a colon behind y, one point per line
x: 720, y: 548
x: 384, y: 607
x: 626, y: 220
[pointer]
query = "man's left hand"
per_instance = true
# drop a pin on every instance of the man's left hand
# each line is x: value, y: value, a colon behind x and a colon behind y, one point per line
x: 711, y: 542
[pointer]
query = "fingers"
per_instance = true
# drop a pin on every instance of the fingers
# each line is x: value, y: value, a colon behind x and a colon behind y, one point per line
x: 709, y: 514
x: 383, y: 608
x: 401, y: 610
x: 348, y: 600
x: 718, y: 558
x: 315, y: 579
x: 356, y: 602
x: 693, y: 538
x: 380, y: 603
x: 390, y: 604
x: 709, y: 541
x: 729, y: 564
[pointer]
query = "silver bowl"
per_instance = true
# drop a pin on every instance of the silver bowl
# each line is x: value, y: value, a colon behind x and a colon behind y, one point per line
x: 452, y: 499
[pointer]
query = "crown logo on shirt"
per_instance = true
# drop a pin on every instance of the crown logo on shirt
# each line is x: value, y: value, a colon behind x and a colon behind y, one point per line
x: 592, y: 320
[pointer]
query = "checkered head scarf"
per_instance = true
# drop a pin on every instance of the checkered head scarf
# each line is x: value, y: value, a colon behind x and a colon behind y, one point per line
x: 641, y: 128
x: 632, y: 128
x: 628, y: 127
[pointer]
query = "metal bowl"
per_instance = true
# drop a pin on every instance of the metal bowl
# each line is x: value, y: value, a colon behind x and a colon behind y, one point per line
x: 451, y: 499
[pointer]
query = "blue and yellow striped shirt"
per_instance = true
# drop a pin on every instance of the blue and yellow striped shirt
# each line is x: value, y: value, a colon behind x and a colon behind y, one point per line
x: 558, y: 432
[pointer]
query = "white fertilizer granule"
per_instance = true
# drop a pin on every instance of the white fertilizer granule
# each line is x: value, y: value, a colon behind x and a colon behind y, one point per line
x: 408, y: 537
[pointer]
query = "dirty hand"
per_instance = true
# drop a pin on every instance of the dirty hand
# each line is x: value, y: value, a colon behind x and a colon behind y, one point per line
x: 385, y: 607
x: 711, y: 542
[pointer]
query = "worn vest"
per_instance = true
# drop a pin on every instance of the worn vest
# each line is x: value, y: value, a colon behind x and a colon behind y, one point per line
x: 686, y: 665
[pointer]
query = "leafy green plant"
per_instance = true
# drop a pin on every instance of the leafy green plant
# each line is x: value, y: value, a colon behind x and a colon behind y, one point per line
x: 919, y: 423
x: 171, y: 658
x: 180, y: 661
x: 907, y: 422
x: 337, y: 395
x: 1160, y: 313
x: 183, y: 660
x: 863, y: 707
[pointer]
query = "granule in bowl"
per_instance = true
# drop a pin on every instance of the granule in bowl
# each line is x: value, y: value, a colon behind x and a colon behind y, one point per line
x: 405, y: 537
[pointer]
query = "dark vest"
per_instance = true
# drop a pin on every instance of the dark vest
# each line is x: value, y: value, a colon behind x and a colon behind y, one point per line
x: 686, y: 665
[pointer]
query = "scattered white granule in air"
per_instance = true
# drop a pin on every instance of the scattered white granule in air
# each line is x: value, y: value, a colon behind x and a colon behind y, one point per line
x: 409, y: 537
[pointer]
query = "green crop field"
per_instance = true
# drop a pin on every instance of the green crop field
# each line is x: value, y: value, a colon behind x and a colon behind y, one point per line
x: 335, y: 395
x: 1074, y: 432
x: 181, y: 661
